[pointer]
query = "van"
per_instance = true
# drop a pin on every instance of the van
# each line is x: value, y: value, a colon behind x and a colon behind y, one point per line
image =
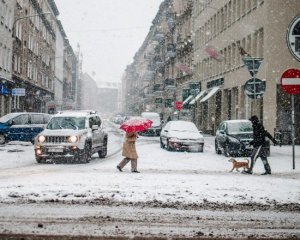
x: 22, y: 126
x: 155, y: 129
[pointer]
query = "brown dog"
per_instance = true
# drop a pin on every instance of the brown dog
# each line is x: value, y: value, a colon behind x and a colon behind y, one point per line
x: 236, y: 165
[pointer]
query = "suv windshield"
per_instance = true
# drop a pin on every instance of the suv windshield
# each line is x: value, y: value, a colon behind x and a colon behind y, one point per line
x: 66, y: 123
x: 239, y: 127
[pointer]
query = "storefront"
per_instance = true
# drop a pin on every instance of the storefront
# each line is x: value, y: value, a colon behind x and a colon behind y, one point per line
x: 5, y: 95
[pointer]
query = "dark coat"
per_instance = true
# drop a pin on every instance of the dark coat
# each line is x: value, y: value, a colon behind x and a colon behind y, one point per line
x: 259, y: 133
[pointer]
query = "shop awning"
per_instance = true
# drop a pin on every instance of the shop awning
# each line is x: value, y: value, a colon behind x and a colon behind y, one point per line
x: 197, y: 97
x: 187, y: 100
x: 210, y: 94
x: 3, y: 79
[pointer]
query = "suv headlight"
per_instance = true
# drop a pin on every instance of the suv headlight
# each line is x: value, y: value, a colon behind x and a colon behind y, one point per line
x: 73, y: 139
x: 41, y: 139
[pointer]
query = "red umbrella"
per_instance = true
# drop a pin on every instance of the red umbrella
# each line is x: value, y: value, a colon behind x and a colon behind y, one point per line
x: 136, y: 125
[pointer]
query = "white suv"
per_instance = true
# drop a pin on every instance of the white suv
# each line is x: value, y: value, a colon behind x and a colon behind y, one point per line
x: 72, y: 135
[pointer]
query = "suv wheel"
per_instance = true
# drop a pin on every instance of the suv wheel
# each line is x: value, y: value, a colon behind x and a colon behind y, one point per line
x: 102, y: 153
x: 218, y: 151
x: 2, y: 139
x: 86, y: 154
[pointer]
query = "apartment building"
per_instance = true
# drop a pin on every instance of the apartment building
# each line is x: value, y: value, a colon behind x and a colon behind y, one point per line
x: 227, y: 31
x: 162, y: 66
x: 34, y: 54
x: 6, y: 49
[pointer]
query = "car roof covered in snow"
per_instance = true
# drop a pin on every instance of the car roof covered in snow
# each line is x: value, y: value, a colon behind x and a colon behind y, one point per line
x: 150, y: 114
x: 74, y: 114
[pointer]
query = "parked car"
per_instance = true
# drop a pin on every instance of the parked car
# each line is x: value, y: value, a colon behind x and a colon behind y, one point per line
x: 73, y: 136
x: 155, y: 129
x: 181, y: 135
x: 233, y: 137
x: 22, y: 126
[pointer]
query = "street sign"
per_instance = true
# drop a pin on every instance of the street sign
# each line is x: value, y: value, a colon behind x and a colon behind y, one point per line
x: 18, y: 92
x: 293, y: 37
x: 252, y: 64
x: 3, y: 89
x: 290, y: 81
x: 255, y: 88
x: 178, y: 105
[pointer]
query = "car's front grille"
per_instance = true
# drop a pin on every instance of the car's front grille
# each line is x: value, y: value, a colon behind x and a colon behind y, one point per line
x: 56, y: 139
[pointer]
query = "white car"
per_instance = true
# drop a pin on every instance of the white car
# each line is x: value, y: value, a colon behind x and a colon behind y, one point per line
x: 181, y: 135
x: 72, y: 135
x: 155, y: 129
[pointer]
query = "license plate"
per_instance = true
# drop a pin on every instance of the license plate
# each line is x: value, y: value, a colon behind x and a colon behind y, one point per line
x: 55, y: 150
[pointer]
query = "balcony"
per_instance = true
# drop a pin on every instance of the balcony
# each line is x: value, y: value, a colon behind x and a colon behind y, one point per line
x: 171, y: 51
x: 171, y: 22
x: 158, y: 62
x: 148, y: 76
x: 160, y: 37
x: 170, y: 83
x: 148, y: 91
x: 158, y: 88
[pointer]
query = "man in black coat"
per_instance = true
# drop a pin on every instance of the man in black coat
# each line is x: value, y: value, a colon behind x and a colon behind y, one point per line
x: 259, y: 143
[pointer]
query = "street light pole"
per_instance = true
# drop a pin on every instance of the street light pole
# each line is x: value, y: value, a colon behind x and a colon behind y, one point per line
x: 20, y: 18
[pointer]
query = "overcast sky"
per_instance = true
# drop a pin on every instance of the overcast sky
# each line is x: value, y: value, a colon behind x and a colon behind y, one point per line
x: 109, y: 32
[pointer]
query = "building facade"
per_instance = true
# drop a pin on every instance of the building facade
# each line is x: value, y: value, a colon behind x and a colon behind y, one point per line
x: 6, y: 49
x: 196, y: 54
x: 39, y: 70
x: 162, y: 67
x: 34, y: 54
x: 226, y: 33
x: 87, y: 93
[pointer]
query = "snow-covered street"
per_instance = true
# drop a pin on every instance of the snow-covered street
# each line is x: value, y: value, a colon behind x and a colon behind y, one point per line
x: 168, y: 180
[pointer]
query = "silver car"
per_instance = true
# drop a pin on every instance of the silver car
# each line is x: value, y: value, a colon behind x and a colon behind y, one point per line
x: 181, y: 136
x: 73, y: 136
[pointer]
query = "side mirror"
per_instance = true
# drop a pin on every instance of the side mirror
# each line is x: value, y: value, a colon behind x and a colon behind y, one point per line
x: 222, y: 131
x: 200, y: 131
x: 12, y: 122
x: 95, y: 127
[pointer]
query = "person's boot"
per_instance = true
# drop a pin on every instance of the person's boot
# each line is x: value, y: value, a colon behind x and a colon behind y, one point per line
x: 249, y: 171
x: 267, y: 168
x: 119, y: 168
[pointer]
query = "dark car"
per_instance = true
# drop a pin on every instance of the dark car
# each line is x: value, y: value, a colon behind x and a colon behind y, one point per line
x: 22, y: 126
x: 233, y: 137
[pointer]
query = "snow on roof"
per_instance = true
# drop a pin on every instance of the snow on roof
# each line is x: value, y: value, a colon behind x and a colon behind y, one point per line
x: 237, y: 121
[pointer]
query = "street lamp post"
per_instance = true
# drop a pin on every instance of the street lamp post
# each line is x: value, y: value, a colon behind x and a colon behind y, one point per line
x: 20, y: 18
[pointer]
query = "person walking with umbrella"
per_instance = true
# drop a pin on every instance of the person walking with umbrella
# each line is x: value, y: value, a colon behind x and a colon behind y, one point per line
x: 131, y: 127
x: 129, y: 152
